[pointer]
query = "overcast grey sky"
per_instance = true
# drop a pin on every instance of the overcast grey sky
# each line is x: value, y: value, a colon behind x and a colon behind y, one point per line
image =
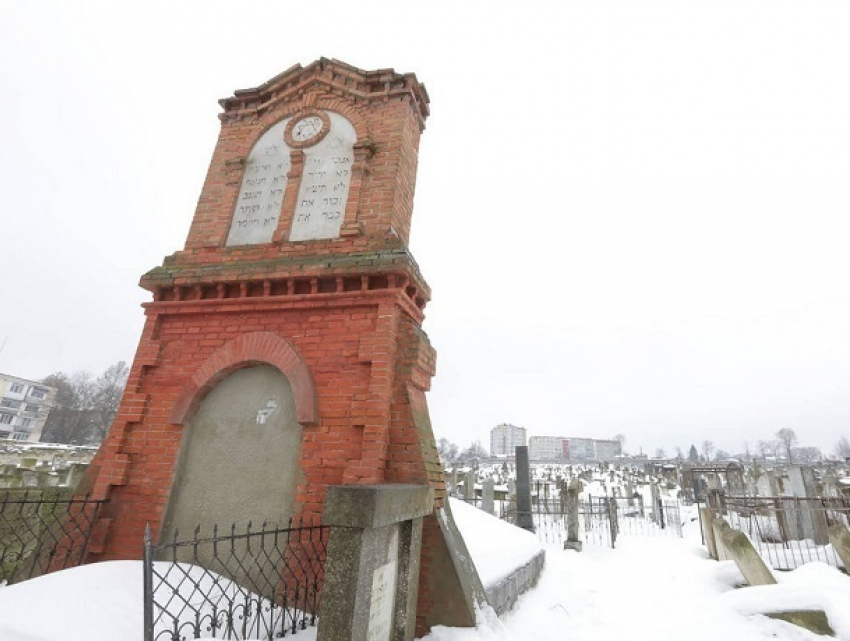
x: 633, y: 215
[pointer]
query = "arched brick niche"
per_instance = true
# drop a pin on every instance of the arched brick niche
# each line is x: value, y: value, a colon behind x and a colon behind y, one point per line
x: 251, y: 349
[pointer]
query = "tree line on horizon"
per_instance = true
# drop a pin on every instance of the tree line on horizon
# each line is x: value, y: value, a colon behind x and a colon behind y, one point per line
x: 85, y: 405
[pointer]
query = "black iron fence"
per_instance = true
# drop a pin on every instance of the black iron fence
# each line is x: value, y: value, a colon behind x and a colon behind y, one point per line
x: 787, y: 531
x: 251, y: 584
x: 601, y: 519
x: 43, y: 530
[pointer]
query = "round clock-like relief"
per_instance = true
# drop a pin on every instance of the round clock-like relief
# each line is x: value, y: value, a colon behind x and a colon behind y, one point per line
x: 307, y: 129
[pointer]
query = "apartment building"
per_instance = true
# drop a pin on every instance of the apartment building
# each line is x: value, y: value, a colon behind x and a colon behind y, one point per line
x: 504, y: 438
x: 24, y: 406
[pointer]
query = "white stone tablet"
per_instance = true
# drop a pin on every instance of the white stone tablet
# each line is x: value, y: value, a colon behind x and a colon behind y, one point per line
x: 323, y: 195
x: 263, y: 185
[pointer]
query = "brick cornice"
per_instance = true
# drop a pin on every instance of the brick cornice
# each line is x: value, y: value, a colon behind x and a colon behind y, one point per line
x: 333, y: 76
x: 289, y: 276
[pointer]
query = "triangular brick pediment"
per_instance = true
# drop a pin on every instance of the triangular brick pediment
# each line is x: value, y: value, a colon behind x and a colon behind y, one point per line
x: 328, y: 76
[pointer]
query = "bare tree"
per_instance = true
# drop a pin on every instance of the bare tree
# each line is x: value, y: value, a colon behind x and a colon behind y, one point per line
x: 447, y: 451
x: 767, y: 448
x: 660, y: 453
x: 842, y: 448
x: 84, y: 407
x: 807, y: 454
x: 108, y: 390
x: 473, y: 454
x: 787, y: 440
x: 707, y: 449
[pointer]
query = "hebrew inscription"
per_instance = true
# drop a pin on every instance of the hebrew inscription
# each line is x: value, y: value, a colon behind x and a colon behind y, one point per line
x: 323, y: 195
x: 263, y: 185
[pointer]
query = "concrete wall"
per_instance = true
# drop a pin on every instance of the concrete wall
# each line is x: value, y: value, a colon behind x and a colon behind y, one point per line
x: 505, y: 593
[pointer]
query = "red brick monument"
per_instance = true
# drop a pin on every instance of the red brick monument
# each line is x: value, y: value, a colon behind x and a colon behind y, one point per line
x: 283, y: 351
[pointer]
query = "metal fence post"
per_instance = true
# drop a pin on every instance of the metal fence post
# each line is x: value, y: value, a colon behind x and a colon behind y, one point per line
x: 148, y: 584
x: 661, y: 512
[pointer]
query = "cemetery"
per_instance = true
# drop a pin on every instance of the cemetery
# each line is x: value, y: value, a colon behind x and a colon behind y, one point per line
x: 272, y: 469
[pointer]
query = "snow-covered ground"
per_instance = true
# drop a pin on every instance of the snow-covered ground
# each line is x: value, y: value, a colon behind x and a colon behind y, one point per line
x: 647, y: 588
x: 653, y: 588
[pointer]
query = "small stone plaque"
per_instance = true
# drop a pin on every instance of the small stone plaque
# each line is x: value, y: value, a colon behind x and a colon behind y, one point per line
x: 382, y: 605
x: 263, y: 185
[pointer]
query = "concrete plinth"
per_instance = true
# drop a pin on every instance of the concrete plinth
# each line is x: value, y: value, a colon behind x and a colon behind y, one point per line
x: 372, y: 569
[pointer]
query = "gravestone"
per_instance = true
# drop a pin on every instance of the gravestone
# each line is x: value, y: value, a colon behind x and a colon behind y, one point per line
x: 525, y: 519
x: 573, y: 541
x: 487, y: 496
x: 469, y: 487
x: 806, y: 519
x: 297, y: 266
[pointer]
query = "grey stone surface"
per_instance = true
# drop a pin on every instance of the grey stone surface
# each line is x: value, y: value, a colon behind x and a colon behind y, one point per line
x: 469, y: 486
x: 740, y: 550
x: 839, y: 536
x: 719, y: 526
x: 706, y: 515
x: 572, y: 509
x: 488, y: 503
x: 805, y: 519
x: 504, y: 594
x: 239, y: 458
x: 371, y: 506
x: 372, y: 570
x: 473, y: 589
x: 523, y: 489
x: 812, y: 620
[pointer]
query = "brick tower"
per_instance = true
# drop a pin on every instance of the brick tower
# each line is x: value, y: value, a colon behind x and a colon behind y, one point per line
x: 296, y: 264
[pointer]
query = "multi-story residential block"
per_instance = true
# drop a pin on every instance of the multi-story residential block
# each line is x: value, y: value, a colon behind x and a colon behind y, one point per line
x: 24, y: 406
x: 546, y: 448
x: 504, y: 438
x: 607, y: 449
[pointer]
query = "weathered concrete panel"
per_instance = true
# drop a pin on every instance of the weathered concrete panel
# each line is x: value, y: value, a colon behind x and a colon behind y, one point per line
x: 239, y: 460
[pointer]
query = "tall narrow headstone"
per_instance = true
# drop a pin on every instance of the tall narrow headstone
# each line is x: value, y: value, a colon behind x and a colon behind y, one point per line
x: 488, y: 503
x: 523, y: 489
x: 469, y: 487
x: 809, y: 514
x: 573, y: 541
